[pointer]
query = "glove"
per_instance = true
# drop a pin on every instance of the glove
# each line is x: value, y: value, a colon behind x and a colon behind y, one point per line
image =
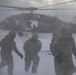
x: 59, y: 59
x: 21, y: 56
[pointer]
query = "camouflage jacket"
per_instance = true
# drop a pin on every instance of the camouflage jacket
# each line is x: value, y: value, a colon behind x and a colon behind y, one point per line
x: 63, y: 46
x: 8, y: 45
x: 33, y: 46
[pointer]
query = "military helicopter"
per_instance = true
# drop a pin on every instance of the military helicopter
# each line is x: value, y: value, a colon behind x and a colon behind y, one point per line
x: 30, y: 15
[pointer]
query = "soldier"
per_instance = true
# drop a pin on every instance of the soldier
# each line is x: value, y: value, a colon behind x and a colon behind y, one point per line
x: 34, y: 29
x: 7, y: 45
x: 62, y: 47
x: 31, y: 47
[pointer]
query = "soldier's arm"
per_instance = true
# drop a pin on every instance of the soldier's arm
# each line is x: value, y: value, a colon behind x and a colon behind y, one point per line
x: 51, y: 44
x: 17, y: 52
x: 55, y: 48
x: 1, y: 42
x: 74, y: 49
x: 25, y: 46
x: 39, y: 46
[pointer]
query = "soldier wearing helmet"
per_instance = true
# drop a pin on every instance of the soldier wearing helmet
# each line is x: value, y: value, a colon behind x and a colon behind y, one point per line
x: 7, y: 45
x: 31, y: 48
x: 62, y: 46
x: 12, y: 34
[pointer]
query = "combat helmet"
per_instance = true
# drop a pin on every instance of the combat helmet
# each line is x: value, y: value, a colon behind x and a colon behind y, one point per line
x: 67, y: 29
x: 12, y: 34
x: 35, y: 36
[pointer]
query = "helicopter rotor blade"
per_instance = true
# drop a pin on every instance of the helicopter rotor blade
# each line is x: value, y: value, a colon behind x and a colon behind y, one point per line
x: 19, y: 8
x: 32, y: 8
x: 58, y: 9
x: 60, y: 3
x: 38, y: 8
x: 44, y: 9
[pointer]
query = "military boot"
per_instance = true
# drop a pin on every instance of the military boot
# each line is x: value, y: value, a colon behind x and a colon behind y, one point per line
x: 34, y: 70
x: 26, y: 69
x: 10, y: 73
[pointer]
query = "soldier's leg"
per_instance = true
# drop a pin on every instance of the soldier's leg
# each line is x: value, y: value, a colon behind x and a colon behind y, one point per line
x: 60, y: 68
x: 10, y: 66
x: 27, y: 63
x: 3, y: 61
x: 70, y: 69
x: 2, y: 64
x: 68, y: 72
x: 35, y: 63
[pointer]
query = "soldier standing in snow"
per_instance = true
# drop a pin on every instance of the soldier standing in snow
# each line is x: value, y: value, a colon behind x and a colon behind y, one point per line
x: 62, y: 47
x: 31, y: 47
x: 7, y: 45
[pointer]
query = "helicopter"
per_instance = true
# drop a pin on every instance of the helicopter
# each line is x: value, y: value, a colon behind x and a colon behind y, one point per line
x: 26, y: 18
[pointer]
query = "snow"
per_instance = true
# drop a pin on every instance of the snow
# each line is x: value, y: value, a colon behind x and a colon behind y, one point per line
x: 46, y: 64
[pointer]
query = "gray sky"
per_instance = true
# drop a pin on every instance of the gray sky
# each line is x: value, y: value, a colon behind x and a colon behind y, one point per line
x: 64, y: 15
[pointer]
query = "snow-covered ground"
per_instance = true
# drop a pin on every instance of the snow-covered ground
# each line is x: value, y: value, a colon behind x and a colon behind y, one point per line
x: 46, y: 65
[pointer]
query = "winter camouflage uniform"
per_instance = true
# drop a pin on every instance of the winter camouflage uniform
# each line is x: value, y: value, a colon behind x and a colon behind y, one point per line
x: 31, y: 47
x: 7, y: 45
x: 62, y: 47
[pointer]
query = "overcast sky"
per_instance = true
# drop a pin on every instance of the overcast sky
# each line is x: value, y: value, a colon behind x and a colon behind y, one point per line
x: 64, y: 15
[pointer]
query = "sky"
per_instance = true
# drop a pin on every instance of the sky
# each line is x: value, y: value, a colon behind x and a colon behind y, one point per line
x: 62, y: 14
